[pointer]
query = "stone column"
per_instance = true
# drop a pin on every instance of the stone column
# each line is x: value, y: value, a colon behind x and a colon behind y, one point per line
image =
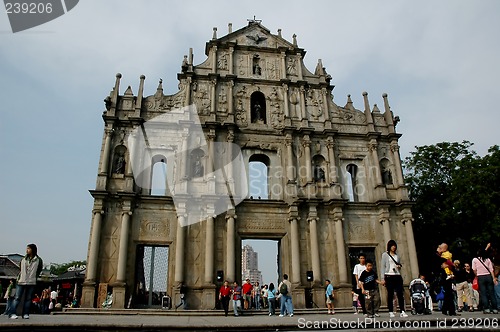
x: 283, y: 65
x: 387, y: 230
x: 286, y: 101
x: 210, y: 162
x: 106, y: 151
x: 290, y: 168
x: 214, y: 59
x: 229, y: 167
x: 299, y: 66
x: 187, y: 101
x: 325, y: 104
x: 315, y: 254
x: 302, y: 114
x: 179, y: 250
x: 230, y: 107
x: 307, y: 149
x: 339, y: 237
x: 397, y: 163
x: 412, y: 251
x: 213, y: 88
x: 330, y: 144
x: 372, y: 146
x: 209, y: 251
x: 294, y: 239
x: 94, y: 246
x: 231, y: 63
x: 230, y: 249
x: 184, y: 167
x: 121, y: 275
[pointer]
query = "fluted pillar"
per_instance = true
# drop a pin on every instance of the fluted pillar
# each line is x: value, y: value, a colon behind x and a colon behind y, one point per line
x: 372, y: 146
x: 285, y: 100
x: 339, y: 238
x: 283, y: 65
x: 106, y: 151
x: 397, y: 163
x: 231, y: 65
x: 315, y: 254
x: 209, y: 250
x: 307, y: 150
x: 179, y: 250
x: 294, y: 239
x: 387, y: 230
x: 412, y: 251
x: 331, y: 159
x: 121, y: 275
x: 230, y: 107
x: 230, y: 249
x: 303, y: 114
x: 290, y: 167
x: 213, y: 90
x: 94, y: 246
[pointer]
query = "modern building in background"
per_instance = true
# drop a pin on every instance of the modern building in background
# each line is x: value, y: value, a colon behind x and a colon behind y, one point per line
x: 333, y: 175
x: 250, y: 265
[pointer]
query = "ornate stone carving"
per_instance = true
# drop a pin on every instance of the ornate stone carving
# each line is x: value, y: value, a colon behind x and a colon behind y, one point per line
x: 154, y: 229
x: 294, y: 101
x: 291, y: 66
x: 201, y: 99
x: 314, y: 104
x: 223, y: 100
x: 277, y: 116
x: 222, y: 62
x: 272, y: 69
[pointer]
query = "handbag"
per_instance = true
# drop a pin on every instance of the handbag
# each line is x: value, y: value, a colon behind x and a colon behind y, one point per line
x: 440, y: 295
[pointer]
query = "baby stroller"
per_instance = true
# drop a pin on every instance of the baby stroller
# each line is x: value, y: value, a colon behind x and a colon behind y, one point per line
x: 421, y: 302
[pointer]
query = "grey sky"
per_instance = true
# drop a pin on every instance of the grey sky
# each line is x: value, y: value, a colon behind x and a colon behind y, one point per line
x: 437, y: 60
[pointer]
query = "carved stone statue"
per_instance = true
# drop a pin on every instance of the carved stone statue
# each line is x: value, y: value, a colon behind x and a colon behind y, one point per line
x: 197, y: 167
x: 258, y: 113
x: 319, y: 173
x: 120, y: 165
x: 386, y: 176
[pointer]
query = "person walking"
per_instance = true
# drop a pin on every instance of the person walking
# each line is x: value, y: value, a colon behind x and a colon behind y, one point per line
x: 483, y: 268
x: 329, y: 297
x: 264, y: 295
x: 225, y: 296
x: 256, y: 295
x: 31, y: 266
x: 358, y: 269
x: 271, y: 297
x: 474, y: 295
x: 236, y: 291
x: 182, y: 292
x: 369, y: 286
x: 247, y: 294
x: 462, y: 286
x: 10, y: 294
x: 285, y: 289
x: 393, y: 281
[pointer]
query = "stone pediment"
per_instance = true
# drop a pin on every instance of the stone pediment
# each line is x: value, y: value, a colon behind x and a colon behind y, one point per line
x: 255, y: 35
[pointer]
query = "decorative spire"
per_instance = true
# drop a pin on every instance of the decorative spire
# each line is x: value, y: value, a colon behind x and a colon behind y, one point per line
x: 319, y: 69
x: 368, y: 114
x: 389, y: 118
x: 376, y: 109
x: 279, y: 33
x: 230, y: 27
x: 294, y: 40
x: 128, y: 92
x: 349, y: 103
x: 214, y: 36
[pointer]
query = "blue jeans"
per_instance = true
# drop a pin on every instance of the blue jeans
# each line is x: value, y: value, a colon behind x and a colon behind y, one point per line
x: 27, y: 290
x: 286, y: 303
x: 497, y: 294
x: 487, y: 292
x: 257, y: 301
x: 236, y: 307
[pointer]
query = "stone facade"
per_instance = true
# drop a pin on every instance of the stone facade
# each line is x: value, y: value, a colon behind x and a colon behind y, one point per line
x: 335, y: 182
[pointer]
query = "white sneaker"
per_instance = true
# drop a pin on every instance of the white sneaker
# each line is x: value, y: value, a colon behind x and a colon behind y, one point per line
x: 391, y: 315
x: 281, y: 315
x: 291, y: 315
x: 13, y: 316
x: 26, y: 317
x: 403, y: 314
x: 377, y: 315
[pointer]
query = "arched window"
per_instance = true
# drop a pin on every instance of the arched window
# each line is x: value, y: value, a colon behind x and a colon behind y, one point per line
x: 386, y: 171
x: 351, y: 182
x: 258, y: 175
x: 197, y: 167
x: 258, y: 107
x: 319, y: 168
x: 159, y: 176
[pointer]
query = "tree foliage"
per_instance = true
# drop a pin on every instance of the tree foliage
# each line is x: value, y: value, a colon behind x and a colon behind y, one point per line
x: 457, y: 198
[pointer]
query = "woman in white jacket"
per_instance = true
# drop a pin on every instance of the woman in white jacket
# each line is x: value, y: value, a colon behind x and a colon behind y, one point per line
x: 391, y: 269
x: 31, y: 266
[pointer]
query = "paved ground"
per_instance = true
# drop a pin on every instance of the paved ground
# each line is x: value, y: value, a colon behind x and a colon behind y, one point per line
x: 131, y: 320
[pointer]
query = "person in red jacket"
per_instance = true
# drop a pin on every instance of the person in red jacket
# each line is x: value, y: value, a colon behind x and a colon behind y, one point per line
x: 247, y: 294
x: 225, y: 296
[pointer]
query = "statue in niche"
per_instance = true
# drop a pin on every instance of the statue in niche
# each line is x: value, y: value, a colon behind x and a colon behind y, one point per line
x: 197, y: 167
x: 258, y: 112
x: 386, y: 176
x: 256, y: 69
x: 291, y: 67
x: 319, y: 173
x: 120, y: 165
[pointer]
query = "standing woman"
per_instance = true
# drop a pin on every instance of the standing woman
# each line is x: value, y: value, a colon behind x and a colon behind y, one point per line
x: 31, y: 266
x: 329, y: 297
x: 483, y: 268
x: 391, y: 268
x: 271, y: 297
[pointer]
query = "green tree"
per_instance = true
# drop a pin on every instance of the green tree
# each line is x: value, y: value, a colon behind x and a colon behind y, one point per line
x: 457, y: 201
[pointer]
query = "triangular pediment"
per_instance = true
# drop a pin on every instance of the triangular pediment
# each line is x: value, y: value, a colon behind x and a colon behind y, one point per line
x: 256, y: 35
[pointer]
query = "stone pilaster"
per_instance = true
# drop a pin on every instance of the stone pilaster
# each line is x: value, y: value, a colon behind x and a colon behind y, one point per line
x: 315, y: 254
x: 294, y: 239
x: 89, y: 290
x: 106, y: 150
x: 306, y: 143
x: 179, y: 249
x: 290, y: 167
x: 230, y: 249
x: 412, y: 251
x: 209, y: 250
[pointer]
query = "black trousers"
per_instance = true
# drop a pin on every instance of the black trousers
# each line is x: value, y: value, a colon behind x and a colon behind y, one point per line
x: 394, y: 283
x: 225, y: 304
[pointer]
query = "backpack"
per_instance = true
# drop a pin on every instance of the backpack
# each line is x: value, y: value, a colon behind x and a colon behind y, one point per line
x: 283, y: 289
